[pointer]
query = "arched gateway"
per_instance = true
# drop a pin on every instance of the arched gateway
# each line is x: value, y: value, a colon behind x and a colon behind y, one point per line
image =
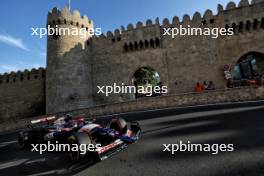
x: 249, y: 66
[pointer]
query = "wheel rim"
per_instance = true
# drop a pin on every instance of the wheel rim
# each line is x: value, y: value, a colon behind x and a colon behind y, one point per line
x: 21, y: 140
x: 73, y: 155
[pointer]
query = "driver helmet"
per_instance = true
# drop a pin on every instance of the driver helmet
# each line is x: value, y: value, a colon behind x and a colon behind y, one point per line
x: 68, y: 118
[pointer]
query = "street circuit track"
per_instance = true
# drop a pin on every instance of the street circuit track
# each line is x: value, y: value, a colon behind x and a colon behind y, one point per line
x: 241, y: 125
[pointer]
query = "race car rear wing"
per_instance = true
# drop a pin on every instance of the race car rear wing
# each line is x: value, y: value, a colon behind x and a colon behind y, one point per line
x: 47, y: 119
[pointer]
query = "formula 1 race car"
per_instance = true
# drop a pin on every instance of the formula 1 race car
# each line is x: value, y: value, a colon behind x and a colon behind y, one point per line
x: 116, y: 136
x: 111, y: 137
x: 49, y: 129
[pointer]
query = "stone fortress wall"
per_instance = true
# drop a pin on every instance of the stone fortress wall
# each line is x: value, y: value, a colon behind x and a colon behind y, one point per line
x: 180, y: 62
x: 22, y: 94
x: 76, y: 66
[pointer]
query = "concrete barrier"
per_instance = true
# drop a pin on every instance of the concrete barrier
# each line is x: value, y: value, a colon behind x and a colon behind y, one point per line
x: 152, y: 103
x: 179, y: 100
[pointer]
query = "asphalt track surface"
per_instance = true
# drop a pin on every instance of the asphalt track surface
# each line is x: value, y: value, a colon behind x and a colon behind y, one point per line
x: 238, y: 124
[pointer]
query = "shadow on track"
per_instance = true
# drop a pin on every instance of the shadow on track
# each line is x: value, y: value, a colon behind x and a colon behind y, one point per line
x: 243, y: 129
x: 15, y: 161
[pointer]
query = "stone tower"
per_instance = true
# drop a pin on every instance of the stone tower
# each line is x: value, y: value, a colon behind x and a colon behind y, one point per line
x: 68, y: 69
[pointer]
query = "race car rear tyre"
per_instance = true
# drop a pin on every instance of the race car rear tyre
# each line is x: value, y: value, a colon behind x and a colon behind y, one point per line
x: 25, y: 138
x: 80, y: 139
x: 119, y: 125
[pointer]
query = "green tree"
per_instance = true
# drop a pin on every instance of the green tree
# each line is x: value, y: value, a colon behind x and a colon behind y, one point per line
x: 146, y: 75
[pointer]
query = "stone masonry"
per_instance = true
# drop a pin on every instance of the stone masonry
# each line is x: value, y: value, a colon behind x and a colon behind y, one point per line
x: 76, y: 65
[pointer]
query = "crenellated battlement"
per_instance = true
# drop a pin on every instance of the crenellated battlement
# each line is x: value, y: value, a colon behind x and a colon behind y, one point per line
x: 140, y: 25
x: 64, y: 16
x: 207, y: 19
x: 21, y: 76
x: 77, y: 65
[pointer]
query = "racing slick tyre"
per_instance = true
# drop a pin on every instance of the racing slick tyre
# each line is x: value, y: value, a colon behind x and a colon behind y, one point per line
x: 119, y: 125
x: 136, y: 129
x: 77, y: 155
x: 25, y: 138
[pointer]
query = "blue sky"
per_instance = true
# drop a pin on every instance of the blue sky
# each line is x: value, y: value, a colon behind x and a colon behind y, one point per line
x: 19, y: 50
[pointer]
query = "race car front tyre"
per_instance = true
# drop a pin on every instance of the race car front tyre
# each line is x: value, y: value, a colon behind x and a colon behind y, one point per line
x: 119, y: 125
x: 136, y: 129
x: 25, y: 138
x: 77, y: 140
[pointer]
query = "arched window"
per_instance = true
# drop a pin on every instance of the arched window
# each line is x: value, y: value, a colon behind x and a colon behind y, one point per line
x: 234, y: 27
x: 157, y: 42
x: 240, y: 27
x: 146, y: 44
x: 131, y: 47
x: 55, y: 36
x: 255, y: 24
x: 262, y: 23
x: 151, y: 43
x: 248, y: 25
x: 125, y: 48
x: 136, y: 45
x: 65, y: 21
x: 141, y: 44
x: 204, y: 22
x: 226, y: 27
